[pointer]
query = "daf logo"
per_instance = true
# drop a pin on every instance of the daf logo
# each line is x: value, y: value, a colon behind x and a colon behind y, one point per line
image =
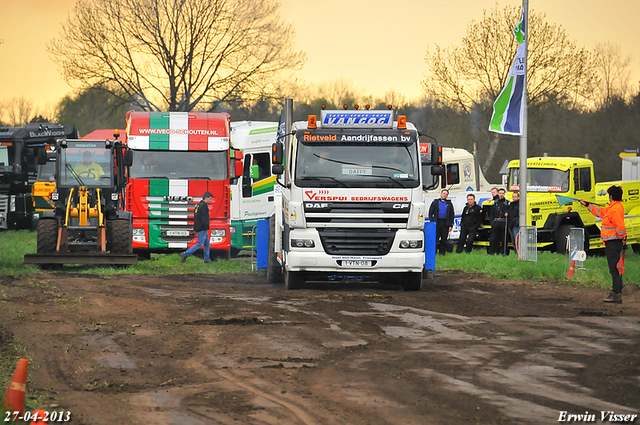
x: 312, y: 205
x: 178, y: 198
x: 400, y: 206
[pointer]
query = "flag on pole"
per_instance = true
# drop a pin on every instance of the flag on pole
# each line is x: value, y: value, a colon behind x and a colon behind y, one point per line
x: 281, y: 129
x: 508, y: 109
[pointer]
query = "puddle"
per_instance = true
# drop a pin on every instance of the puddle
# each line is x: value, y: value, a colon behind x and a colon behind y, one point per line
x: 114, y: 356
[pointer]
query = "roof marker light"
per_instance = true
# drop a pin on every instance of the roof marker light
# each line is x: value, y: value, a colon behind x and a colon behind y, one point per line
x: 345, y: 106
x: 402, y: 122
x: 312, y: 121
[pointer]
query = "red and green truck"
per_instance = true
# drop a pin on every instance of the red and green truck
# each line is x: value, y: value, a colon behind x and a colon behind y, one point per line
x: 177, y: 157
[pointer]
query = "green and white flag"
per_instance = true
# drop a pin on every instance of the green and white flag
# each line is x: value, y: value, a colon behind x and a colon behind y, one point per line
x: 508, y: 109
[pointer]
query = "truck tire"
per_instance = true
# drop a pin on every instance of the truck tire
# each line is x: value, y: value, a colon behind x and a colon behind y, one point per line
x: 411, y: 281
x: 293, y: 280
x: 47, y: 236
x: 274, y: 270
x: 636, y: 248
x: 121, y: 237
x: 561, y: 238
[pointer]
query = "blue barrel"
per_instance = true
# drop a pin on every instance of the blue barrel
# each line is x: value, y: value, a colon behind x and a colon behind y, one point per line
x: 262, y: 244
x: 430, y: 247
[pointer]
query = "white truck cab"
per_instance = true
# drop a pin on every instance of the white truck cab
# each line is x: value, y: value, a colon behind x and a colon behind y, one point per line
x: 352, y: 201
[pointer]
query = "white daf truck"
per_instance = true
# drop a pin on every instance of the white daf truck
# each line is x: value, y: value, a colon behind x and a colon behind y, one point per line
x: 352, y: 202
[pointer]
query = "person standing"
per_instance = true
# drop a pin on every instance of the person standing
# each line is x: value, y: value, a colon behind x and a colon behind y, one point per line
x: 614, y: 235
x: 469, y: 223
x: 513, y: 218
x: 201, y: 226
x: 441, y: 212
x: 497, y: 243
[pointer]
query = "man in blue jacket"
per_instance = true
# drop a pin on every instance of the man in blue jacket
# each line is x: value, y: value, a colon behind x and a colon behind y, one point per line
x: 201, y: 226
x: 441, y: 212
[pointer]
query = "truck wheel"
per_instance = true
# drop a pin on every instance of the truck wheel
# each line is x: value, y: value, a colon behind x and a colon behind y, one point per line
x: 47, y: 236
x: 561, y: 238
x: 636, y: 248
x: 274, y: 270
x: 293, y: 280
x: 121, y: 237
x: 411, y: 281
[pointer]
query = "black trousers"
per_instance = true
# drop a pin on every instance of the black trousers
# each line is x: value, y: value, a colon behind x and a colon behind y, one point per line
x: 467, y: 234
x: 613, y: 250
x: 497, y: 238
x: 442, y: 235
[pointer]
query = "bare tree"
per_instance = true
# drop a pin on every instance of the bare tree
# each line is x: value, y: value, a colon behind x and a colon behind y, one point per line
x: 17, y: 111
x: 613, y: 74
x: 472, y: 74
x: 177, y: 54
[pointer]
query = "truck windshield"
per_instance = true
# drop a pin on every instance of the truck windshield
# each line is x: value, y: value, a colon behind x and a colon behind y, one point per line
x: 339, y: 165
x: 542, y: 179
x: 200, y: 165
x: 85, y: 164
x: 4, y: 159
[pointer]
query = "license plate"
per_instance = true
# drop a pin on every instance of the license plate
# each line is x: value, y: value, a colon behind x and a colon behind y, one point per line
x: 356, y: 263
x: 177, y: 233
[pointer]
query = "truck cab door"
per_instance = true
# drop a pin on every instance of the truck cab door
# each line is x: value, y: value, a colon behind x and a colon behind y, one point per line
x: 582, y: 182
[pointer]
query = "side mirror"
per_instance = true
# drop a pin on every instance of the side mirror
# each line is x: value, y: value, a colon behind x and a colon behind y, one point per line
x: 277, y: 155
x: 277, y: 170
x: 236, y: 166
x: 437, y: 170
x: 128, y: 158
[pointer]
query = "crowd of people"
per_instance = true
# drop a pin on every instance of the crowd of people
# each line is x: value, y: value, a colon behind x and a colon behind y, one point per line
x: 504, y: 219
x: 503, y: 216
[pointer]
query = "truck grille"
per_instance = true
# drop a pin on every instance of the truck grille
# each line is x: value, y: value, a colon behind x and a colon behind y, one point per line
x: 395, y: 214
x: 341, y: 241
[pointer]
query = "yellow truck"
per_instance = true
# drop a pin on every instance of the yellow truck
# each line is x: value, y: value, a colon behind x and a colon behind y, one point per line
x: 555, y: 184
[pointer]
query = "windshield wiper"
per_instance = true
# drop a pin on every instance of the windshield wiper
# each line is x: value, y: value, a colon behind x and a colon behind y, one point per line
x: 398, y: 182
x: 74, y: 174
x: 325, y: 177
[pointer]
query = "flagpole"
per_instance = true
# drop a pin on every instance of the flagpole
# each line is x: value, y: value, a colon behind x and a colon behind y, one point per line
x: 523, y: 178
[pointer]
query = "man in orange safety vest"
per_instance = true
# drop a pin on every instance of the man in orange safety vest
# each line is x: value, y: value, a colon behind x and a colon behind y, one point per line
x: 614, y: 235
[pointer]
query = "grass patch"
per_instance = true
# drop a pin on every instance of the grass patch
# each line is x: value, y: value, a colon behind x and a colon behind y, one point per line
x: 15, y: 244
x: 550, y: 266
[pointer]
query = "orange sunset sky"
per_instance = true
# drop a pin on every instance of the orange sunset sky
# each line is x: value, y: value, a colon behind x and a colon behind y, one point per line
x: 376, y: 45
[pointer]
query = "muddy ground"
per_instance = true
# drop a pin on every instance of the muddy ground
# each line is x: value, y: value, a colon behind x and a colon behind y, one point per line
x: 232, y: 349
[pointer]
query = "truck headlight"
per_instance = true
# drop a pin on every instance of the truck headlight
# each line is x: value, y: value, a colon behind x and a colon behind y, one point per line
x: 55, y: 196
x: 410, y: 244
x: 12, y: 204
x: 139, y: 235
x: 217, y: 235
x: 303, y: 243
x: 114, y: 196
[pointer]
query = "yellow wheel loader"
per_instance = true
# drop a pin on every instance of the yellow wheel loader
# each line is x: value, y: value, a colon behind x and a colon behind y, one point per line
x: 89, y: 224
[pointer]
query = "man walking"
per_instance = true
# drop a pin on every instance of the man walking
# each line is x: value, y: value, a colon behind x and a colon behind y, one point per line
x: 497, y: 243
x: 201, y: 226
x: 441, y: 212
x: 614, y: 235
x: 469, y: 223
